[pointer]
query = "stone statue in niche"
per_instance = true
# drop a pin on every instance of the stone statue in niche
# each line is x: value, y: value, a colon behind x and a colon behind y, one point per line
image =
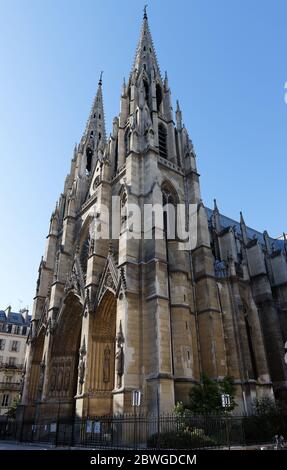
x: 41, y: 377
x: 119, y: 365
x: 82, y: 366
x: 119, y: 358
x: 91, y: 245
x: 107, y: 365
x: 75, y: 280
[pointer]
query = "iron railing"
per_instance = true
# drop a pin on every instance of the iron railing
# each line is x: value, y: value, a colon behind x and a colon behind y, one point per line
x: 6, y: 365
x: 132, y: 431
x: 10, y: 386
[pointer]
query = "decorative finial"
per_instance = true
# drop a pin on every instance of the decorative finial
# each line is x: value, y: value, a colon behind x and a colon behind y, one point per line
x: 75, y: 149
x: 145, y: 13
x: 101, y: 79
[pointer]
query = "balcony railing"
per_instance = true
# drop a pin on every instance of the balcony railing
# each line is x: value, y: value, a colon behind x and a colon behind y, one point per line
x: 10, y: 386
x: 6, y: 365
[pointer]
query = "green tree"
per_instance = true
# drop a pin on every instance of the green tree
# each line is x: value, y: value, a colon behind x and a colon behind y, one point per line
x: 205, y: 398
x: 12, y: 410
x: 267, y: 407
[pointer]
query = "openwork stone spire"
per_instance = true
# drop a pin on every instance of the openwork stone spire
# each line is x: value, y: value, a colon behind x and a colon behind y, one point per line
x: 96, y: 123
x: 145, y: 54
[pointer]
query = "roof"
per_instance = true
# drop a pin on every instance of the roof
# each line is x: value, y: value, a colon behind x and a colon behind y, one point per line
x: 2, y: 316
x: 14, y: 318
x: 251, y: 233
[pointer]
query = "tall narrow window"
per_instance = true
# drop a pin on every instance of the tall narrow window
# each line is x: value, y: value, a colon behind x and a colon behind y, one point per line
x: 14, y: 346
x: 5, y: 400
x: 12, y: 361
x: 162, y: 141
x: 146, y: 88
x: 89, y: 155
x: 158, y: 96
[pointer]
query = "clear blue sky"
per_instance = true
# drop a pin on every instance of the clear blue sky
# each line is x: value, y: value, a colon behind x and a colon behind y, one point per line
x: 226, y: 61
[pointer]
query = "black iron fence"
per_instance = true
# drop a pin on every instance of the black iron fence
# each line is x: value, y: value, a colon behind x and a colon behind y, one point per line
x: 141, y: 431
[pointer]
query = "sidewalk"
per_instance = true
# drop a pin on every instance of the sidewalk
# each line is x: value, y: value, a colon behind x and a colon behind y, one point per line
x: 14, y: 445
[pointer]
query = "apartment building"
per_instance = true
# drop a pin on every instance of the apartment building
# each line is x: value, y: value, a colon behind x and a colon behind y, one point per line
x: 14, y: 328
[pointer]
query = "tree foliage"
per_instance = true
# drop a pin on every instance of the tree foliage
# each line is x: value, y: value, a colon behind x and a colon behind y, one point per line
x: 12, y: 410
x: 206, y: 397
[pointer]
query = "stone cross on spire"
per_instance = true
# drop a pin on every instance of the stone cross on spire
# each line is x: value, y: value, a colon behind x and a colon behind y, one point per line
x: 101, y: 79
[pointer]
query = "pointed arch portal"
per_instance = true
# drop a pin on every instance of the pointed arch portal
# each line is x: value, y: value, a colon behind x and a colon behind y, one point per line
x: 101, y: 370
x: 63, y: 373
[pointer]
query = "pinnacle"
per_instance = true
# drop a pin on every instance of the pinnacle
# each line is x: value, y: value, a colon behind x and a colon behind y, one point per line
x: 145, y: 53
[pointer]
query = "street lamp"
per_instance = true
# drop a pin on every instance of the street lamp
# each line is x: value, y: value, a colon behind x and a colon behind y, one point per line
x: 136, y: 402
x: 226, y: 402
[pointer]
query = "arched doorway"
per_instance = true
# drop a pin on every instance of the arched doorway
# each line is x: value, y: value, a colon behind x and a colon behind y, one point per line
x: 63, y: 373
x: 101, y: 372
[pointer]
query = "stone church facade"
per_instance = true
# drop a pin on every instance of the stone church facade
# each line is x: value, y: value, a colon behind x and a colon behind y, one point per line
x: 117, y: 314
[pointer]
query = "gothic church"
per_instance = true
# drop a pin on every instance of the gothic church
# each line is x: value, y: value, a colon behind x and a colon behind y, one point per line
x: 114, y: 315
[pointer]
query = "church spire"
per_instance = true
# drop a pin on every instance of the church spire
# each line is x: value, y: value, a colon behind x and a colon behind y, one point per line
x: 145, y: 54
x: 95, y: 131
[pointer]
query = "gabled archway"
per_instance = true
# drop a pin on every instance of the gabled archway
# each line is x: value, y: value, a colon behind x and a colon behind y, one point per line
x: 63, y: 371
x: 101, y: 368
